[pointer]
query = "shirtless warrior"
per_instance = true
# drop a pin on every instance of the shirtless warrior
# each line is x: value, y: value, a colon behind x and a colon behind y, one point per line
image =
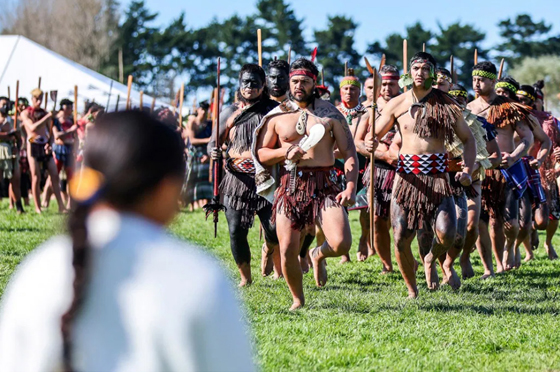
x: 237, y: 125
x: 502, y: 188
x: 307, y: 194
x: 37, y: 123
x: 385, y: 162
x: 422, y: 199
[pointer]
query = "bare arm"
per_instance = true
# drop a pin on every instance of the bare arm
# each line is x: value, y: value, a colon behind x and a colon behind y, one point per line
x: 345, y: 143
x: 495, y: 155
x: 544, y: 140
x: 30, y: 125
x: 361, y: 132
x: 465, y: 135
x: 392, y: 155
x: 268, y: 151
x: 387, y: 119
x: 525, y: 141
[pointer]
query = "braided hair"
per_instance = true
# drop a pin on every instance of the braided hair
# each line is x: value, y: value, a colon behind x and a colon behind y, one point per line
x: 134, y: 153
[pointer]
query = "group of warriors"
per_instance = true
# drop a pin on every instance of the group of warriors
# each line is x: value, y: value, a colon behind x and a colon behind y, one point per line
x: 459, y: 176
x: 41, y: 151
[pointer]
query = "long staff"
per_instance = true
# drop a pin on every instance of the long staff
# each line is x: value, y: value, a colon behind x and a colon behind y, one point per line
x: 141, y: 100
x: 214, y: 206
x: 259, y: 45
x: 501, y: 69
x: 405, y: 59
x: 372, y: 172
x: 382, y: 63
x: 153, y: 105
x: 182, y: 93
x: 129, y: 88
x: 16, y: 105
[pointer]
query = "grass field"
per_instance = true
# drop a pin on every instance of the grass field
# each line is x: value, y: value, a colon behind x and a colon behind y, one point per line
x: 362, y: 321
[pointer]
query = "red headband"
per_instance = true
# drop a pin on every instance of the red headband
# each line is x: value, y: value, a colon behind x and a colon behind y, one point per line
x: 304, y: 72
x: 390, y: 77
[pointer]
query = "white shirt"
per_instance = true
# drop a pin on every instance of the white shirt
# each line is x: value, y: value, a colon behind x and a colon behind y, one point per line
x: 153, y: 304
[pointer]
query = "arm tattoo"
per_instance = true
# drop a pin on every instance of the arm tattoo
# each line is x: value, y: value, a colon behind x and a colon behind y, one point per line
x: 328, y: 112
x: 348, y: 132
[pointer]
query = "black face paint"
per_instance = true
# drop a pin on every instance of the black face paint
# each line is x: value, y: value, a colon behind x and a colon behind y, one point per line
x: 278, y: 82
x: 250, y: 81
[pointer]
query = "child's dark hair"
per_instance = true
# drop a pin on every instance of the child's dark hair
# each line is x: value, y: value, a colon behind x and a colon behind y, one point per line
x: 134, y: 152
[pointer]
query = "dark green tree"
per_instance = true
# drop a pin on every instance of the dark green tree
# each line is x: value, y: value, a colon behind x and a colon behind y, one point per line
x: 335, y: 45
x: 416, y: 36
x: 524, y: 37
x: 459, y: 41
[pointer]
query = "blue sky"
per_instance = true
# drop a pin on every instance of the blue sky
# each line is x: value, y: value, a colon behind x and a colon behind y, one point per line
x: 376, y: 19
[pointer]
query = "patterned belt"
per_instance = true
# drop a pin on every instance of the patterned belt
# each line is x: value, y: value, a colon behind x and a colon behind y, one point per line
x: 240, y: 165
x: 423, y: 164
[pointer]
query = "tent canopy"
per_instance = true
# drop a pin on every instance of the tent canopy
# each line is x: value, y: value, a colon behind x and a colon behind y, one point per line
x: 26, y: 61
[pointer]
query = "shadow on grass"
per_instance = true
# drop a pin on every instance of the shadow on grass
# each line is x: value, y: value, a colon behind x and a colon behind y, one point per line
x: 20, y: 229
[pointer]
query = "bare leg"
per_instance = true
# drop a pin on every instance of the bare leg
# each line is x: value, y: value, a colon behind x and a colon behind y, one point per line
x: 338, y: 240
x: 454, y: 251
x: 15, y: 188
x: 382, y: 242
x: 445, y: 230
x: 56, y: 185
x: 525, y: 224
x: 484, y: 246
x: 498, y: 243
x: 362, y: 253
x: 550, y: 231
x: 402, y: 239
x: 473, y: 218
x: 47, y: 193
x: 289, y: 252
x: 511, y: 229
x: 35, y: 182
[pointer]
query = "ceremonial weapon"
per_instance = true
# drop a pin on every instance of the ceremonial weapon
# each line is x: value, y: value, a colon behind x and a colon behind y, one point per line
x: 141, y: 100
x: 372, y: 159
x: 382, y: 63
x: 39, y: 86
x: 424, y: 47
x: 16, y: 108
x: 117, y: 105
x: 405, y: 60
x: 76, y: 105
x: 214, y: 207
x: 128, y: 92
x: 346, y: 68
x: 109, y: 96
x: 153, y: 104
x: 289, y: 54
x: 501, y: 69
x: 476, y: 62
x: 451, y: 69
x: 8, y: 93
x: 259, y: 45
x: 181, y: 105
x: 314, y: 55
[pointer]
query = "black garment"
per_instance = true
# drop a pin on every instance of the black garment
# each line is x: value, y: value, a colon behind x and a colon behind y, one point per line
x: 238, y: 234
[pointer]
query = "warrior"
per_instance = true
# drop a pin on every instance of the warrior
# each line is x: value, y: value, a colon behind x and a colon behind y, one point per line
x: 369, y: 92
x: 488, y: 156
x: 9, y: 156
x: 502, y: 188
x: 36, y: 122
x: 64, y: 131
x: 308, y: 193
x: 198, y: 189
x: 278, y: 80
x: 507, y: 87
x: 237, y: 124
x: 355, y: 114
x: 541, y: 164
x: 385, y: 162
x: 422, y: 199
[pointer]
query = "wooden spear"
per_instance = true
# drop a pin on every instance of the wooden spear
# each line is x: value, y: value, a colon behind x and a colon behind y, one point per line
x: 289, y: 55
x: 118, y: 100
x: 9, y: 93
x: 452, y: 69
x: 141, y: 100
x: 259, y: 45
x: 424, y: 47
x: 501, y: 69
x: 372, y: 172
x: 346, y: 68
x: 128, y: 92
x: 475, y: 56
x: 382, y: 63
x: 181, y: 105
x: 46, y: 100
x: 39, y: 86
x: 16, y: 108
x: 153, y: 105
x: 405, y: 59
x: 75, y: 104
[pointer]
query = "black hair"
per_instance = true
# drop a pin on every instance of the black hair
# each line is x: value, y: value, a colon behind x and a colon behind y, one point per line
x: 388, y: 68
x: 458, y: 87
x: 134, y: 152
x: 253, y: 69
x: 279, y: 64
x: 539, y: 86
x: 305, y: 64
x: 65, y: 102
x: 204, y: 105
x: 486, y: 66
x: 424, y: 55
x: 4, y: 98
x: 529, y: 89
x: 4, y: 111
x: 443, y: 71
x: 512, y: 81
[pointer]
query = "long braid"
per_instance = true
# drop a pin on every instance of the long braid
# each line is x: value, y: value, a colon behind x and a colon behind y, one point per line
x: 80, y: 261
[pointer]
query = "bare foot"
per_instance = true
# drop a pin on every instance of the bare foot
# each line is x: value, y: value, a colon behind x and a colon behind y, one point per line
x: 430, y: 270
x: 245, y: 283
x: 266, y: 260
x: 550, y: 251
x: 386, y: 270
x: 452, y: 277
x: 412, y: 295
x: 345, y: 259
x: 38, y: 211
x: 297, y: 305
x: 304, y: 264
x: 535, y: 239
x: 529, y: 257
x: 466, y: 268
x: 487, y: 275
x: 319, y: 268
x: 361, y: 256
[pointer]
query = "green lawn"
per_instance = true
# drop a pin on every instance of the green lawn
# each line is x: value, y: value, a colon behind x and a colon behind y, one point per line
x: 362, y: 321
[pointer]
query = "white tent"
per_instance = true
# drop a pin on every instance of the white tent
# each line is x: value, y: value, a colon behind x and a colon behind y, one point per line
x: 26, y: 61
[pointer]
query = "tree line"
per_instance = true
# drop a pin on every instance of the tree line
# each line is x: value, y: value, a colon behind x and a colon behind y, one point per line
x: 94, y: 33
